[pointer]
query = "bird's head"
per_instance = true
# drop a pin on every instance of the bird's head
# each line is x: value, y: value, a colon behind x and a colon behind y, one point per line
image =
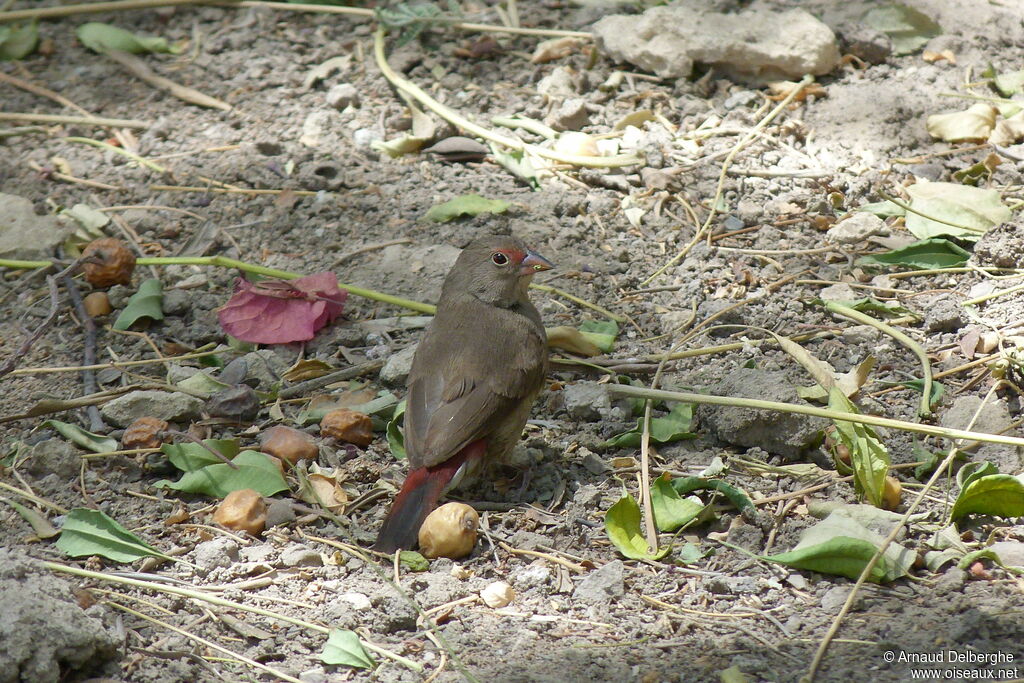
x: 496, y: 269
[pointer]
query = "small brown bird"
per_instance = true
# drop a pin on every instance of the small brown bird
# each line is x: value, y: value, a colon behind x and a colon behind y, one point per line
x: 473, y: 380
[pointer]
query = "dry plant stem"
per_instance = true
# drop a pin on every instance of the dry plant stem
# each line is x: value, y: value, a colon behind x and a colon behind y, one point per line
x: 303, y: 388
x: 709, y: 399
x: 208, y: 643
x: 41, y: 502
x: 747, y: 139
x: 431, y: 626
x: 925, y: 408
x: 227, y: 190
x: 96, y: 185
x: 214, y: 600
x: 414, y: 91
x: 141, y: 70
x: 582, y: 302
x: 91, y: 8
x: 41, y: 91
x: 112, y: 364
x: 992, y: 295
x: 51, y: 281
x: 866, y: 572
x: 88, y: 353
x: 87, y: 120
x: 356, y: 11
x: 225, y: 262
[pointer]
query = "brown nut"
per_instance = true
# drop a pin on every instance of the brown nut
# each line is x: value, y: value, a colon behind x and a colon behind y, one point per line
x: 449, y: 531
x: 145, y: 432
x: 348, y: 425
x: 290, y: 445
x: 97, y: 304
x: 107, y: 261
x: 242, y: 510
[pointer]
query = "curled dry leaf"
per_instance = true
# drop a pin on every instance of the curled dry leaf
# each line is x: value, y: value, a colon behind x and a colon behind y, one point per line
x: 572, y: 340
x: 288, y: 444
x: 556, y: 48
x: 972, y: 125
x: 577, y: 144
x: 145, y: 432
x: 326, y: 491
x: 348, y: 426
x: 449, y: 531
x: 780, y: 90
x: 279, y: 311
x: 497, y: 594
x: 242, y: 510
x: 1008, y: 131
x: 107, y: 262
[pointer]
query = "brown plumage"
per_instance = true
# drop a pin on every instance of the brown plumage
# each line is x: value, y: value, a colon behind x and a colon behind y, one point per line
x: 473, y: 380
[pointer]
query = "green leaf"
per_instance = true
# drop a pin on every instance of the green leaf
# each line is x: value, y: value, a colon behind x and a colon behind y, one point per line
x: 870, y: 305
x: 378, y: 406
x: 671, y: 511
x: 671, y: 427
x: 344, y: 648
x: 202, y: 383
x: 931, y: 253
x: 396, y: 437
x: 689, y: 553
x: 255, y: 471
x: 868, y: 455
x: 882, y: 209
x: 938, y: 389
x: 189, y: 457
x: 840, y: 556
x: 999, y: 495
x: 145, y: 303
x: 622, y: 523
x: 91, y: 532
x: 87, y: 440
x: 974, y: 470
x: 100, y: 37
x: 736, y: 496
x: 465, y: 205
x: 842, y: 546
x: 517, y: 163
x: 973, y: 207
x: 413, y: 561
x: 1009, y: 84
x: 601, y: 333
x: 908, y: 28
x: 18, y: 42
x: 38, y: 521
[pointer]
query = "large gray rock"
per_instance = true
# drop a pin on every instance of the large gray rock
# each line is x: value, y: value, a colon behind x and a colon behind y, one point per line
x: 26, y: 236
x: 44, y: 635
x: 756, y: 43
x: 602, y: 585
x: 124, y: 410
x: 397, y: 366
x: 994, y: 418
x: 783, y: 434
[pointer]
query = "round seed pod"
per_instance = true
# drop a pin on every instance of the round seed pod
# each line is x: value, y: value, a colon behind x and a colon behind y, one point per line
x: 145, y: 432
x: 108, y: 261
x: 242, y: 510
x: 449, y: 531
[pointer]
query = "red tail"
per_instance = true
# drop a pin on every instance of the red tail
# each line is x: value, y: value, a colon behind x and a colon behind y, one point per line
x: 417, y: 499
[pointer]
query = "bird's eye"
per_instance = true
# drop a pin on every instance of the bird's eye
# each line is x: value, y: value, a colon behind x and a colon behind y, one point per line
x: 499, y: 259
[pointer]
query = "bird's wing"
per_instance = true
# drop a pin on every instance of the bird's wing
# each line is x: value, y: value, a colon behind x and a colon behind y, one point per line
x: 461, y: 385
